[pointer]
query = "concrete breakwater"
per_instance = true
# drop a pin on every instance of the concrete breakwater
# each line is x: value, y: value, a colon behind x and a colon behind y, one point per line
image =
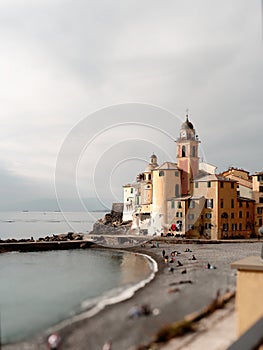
x: 44, y: 244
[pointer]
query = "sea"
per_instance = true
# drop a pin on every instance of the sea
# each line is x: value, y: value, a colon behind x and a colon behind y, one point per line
x: 43, y: 290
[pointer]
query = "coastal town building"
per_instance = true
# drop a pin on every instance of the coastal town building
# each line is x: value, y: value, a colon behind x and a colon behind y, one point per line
x: 187, y: 197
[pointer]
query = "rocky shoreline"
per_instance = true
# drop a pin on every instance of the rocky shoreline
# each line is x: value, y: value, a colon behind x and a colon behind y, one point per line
x: 70, y: 236
x: 112, y: 223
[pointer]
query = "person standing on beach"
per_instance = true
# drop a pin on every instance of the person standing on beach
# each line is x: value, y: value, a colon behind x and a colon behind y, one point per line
x: 107, y: 345
x: 54, y: 341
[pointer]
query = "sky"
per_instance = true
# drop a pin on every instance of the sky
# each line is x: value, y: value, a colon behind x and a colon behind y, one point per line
x: 89, y: 90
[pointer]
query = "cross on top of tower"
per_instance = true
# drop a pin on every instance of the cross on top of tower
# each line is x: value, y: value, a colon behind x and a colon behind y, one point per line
x: 187, y: 113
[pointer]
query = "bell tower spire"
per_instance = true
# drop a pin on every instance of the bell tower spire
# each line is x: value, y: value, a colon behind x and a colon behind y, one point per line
x: 187, y: 154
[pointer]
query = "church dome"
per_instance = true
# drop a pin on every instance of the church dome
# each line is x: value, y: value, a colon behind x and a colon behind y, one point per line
x: 153, y: 163
x: 187, y: 124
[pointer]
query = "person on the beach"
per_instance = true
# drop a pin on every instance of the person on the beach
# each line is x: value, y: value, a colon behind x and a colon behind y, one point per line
x: 163, y: 252
x: 54, y: 341
x: 107, y: 345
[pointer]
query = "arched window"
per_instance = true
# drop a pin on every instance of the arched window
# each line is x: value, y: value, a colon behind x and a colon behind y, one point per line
x: 149, y: 177
x: 183, y: 151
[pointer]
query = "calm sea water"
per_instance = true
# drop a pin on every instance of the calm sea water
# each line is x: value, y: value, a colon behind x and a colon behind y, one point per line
x: 40, y: 289
x: 39, y: 224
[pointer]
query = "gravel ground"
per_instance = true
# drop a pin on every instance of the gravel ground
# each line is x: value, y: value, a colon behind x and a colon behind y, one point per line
x: 166, y: 293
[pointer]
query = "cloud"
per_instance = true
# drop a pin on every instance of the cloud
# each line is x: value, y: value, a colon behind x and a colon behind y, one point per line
x: 62, y: 60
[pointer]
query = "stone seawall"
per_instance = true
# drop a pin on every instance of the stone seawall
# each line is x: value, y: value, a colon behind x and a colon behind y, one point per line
x: 43, y: 246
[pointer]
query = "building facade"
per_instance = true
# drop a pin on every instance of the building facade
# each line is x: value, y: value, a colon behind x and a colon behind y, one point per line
x: 188, y: 198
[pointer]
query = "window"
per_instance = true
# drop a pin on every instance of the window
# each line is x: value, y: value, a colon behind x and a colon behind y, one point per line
x: 224, y: 215
x: 240, y: 204
x: 247, y: 204
x: 208, y: 183
x: 179, y: 214
x: 232, y: 203
x: 221, y: 184
x: 144, y: 177
x: 234, y: 227
x: 261, y: 200
x: 194, y: 151
x: 260, y: 177
x: 179, y: 225
x: 209, y: 203
x: 259, y: 210
x: 183, y: 151
x: 240, y: 227
x: 260, y: 222
x: 191, y: 204
x: 232, y: 185
x: 221, y: 203
x: 208, y: 226
x: 240, y: 215
x: 172, y: 204
x: 161, y: 173
x: 149, y: 177
x: 232, y: 215
x: 177, y: 194
x: 208, y: 216
x: 191, y: 216
x: 176, y: 173
x: 131, y: 190
x: 196, y: 184
x: 179, y: 205
x: 225, y: 227
x: 247, y: 215
x: 190, y: 227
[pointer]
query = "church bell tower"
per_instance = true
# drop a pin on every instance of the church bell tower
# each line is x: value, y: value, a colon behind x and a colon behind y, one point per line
x: 187, y: 155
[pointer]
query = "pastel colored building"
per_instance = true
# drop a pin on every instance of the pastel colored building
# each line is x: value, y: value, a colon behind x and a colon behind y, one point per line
x: 187, y: 197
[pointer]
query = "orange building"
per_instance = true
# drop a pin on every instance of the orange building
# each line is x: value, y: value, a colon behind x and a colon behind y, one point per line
x: 189, y: 199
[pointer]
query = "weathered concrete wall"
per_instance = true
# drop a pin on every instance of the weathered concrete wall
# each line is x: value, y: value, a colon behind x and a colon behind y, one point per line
x: 41, y: 246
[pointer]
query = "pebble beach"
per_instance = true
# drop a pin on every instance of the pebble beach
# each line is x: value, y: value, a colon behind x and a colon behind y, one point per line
x: 189, y: 277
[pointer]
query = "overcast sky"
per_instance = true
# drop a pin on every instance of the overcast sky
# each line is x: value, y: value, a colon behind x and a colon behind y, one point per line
x: 64, y: 62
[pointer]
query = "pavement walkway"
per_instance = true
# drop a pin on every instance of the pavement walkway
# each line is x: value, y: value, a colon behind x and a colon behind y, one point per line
x: 216, y: 332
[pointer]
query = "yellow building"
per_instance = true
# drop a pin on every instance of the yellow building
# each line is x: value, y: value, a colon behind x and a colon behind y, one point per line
x: 189, y: 199
x: 258, y: 197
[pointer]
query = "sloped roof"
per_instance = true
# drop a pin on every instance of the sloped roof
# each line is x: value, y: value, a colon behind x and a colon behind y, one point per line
x: 212, y: 177
x: 167, y: 166
x: 183, y: 198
